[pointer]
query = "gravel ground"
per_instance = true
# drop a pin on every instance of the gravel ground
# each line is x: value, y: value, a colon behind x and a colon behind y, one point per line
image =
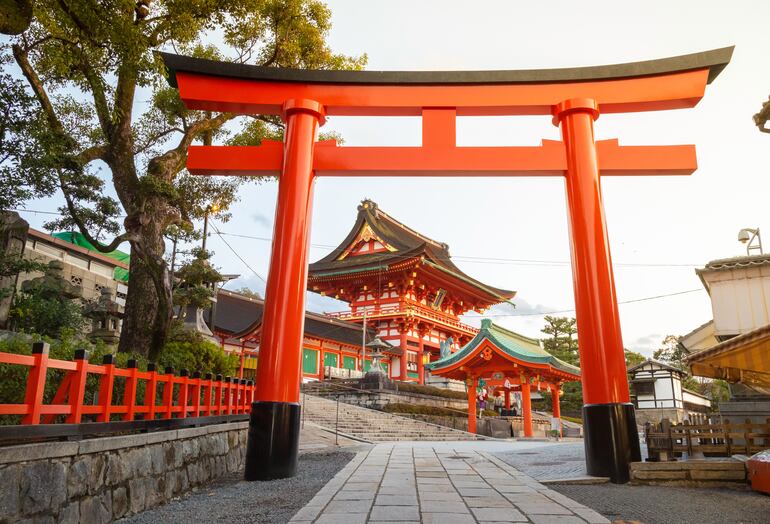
x: 667, y: 505
x: 233, y: 500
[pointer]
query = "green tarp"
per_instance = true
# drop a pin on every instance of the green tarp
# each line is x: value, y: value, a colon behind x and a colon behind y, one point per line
x: 79, y: 240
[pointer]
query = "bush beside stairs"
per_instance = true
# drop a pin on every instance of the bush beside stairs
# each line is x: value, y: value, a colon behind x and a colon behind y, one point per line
x: 375, y: 426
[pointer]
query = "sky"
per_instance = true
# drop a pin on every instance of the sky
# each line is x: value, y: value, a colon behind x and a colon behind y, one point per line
x: 512, y: 232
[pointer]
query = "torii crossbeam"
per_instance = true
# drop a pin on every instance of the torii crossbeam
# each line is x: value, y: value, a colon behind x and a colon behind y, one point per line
x: 574, y: 98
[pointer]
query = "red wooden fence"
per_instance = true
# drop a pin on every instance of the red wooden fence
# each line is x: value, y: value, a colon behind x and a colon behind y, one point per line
x: 195, y: 396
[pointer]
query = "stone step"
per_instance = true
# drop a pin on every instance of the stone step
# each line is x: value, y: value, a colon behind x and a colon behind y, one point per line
x: 374, y: 425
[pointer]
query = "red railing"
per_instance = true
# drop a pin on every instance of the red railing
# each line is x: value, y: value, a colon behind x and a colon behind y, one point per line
x: 407, y: 309
x: 195, y: 396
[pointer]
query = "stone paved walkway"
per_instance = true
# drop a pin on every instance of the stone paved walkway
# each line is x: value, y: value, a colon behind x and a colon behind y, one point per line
x: 441, y: 484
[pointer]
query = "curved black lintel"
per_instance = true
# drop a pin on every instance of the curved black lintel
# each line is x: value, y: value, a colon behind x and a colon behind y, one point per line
x: 715, y: 60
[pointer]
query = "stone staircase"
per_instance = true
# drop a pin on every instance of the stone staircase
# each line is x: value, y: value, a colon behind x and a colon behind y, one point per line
x: 375, y: 426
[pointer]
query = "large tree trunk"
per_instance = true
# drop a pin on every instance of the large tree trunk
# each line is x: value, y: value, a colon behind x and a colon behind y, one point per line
x: 149, y: 308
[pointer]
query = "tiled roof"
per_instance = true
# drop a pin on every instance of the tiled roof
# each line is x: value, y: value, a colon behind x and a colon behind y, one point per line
x: 237, y: 314
x: 407, y: 243
x: 515, y: 345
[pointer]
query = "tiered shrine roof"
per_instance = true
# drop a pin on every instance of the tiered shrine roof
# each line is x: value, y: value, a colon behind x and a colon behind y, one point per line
x: 395, y: 247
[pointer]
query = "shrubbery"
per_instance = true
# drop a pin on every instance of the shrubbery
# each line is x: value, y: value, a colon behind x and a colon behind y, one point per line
x: 184, y: 350
x: 409, y: 387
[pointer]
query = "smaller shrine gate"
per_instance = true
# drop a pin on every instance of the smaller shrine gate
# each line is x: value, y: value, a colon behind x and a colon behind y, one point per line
x: 500, y: 356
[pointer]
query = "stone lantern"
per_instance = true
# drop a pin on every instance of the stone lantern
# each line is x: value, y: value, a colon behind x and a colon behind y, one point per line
x: 105, y: 314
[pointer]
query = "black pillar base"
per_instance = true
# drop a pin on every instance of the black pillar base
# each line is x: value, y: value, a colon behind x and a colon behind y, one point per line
x: 273, y: 443
x: 611, y: 440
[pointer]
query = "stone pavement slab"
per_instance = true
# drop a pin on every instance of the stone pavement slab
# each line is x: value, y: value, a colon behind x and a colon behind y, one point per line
x: 444, y: 483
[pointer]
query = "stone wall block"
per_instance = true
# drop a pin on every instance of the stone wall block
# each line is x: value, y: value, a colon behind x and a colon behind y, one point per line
x: 169, y: 450
x: 192, y: 474
x: 137, y: 494
x: 232, y: 439
x: 10, y: 501
x: 170, y: 488
x: 178, y: 456
x: 77, y: 480
x: 190, y: 450
x: 157, y: 459
x: 119, y: 502
x: 155, y: 496
x: 69, y: 514
x: 116, y: 470
x: 97, y: 509
x: 96, y: 473
x: 36, y: 487
x: 137, y: 461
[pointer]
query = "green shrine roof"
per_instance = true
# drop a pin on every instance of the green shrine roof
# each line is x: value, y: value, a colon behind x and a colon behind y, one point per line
x: 513, y: 344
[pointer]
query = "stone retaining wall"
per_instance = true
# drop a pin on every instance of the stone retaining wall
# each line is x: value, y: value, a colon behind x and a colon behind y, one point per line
x: 378, y: 399
x: 100, y: 480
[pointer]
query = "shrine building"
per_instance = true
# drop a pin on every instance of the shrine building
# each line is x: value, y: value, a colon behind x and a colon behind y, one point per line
x: 507, y: 362
x: 405, y: 286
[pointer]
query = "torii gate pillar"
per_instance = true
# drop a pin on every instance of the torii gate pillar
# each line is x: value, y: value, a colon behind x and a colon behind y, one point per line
x: 273, y: 441
x: 611, y: 438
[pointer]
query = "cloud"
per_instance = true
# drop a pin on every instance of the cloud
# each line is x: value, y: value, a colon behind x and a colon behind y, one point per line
x: 646, y: 345
x: 261, y: 219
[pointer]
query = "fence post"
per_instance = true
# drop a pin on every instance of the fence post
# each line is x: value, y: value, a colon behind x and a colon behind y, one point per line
x: 241, y: 394
x: 33, y: 397
x: 228, y: 394
x: 168, y: 393
x: 728, y: 443
x: 183, y: 373
x: 688, y: 438
x: 151, y: 391
x: 219, y: 392
x: 78, y: 387
x: 746, y: 437
x: 196, y: 393
x: 208, y: 389
x: 129, y: 395
x: 106, y: 383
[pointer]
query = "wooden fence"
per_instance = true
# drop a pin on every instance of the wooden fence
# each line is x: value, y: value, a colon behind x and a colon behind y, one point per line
x: 164, y: 395
x: 704, y: 437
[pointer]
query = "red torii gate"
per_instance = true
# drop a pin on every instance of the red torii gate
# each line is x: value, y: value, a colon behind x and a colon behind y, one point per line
x: 574, y: 97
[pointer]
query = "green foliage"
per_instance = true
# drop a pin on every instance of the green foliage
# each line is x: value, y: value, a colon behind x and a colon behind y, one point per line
x: 633, y: 358
x: 189, y: 350
x: 13, y: 264
x: 576, y: 420
x: 248, y: 292
x: 489, y: 413
x: 197, y: 279
x: 34, y: 311
x: 20, y: 176
x: 409, y: 387
x: 562, y: 342
x: 90, y: 135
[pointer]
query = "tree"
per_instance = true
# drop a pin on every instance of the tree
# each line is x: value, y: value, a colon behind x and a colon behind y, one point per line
x: 562, y: 342
x: 128, y: 133
x: 633, y: 358
x: 248, y: 292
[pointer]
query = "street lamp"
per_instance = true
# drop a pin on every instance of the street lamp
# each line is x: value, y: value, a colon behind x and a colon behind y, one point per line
x: 212, y: 208
x: 747, y: 236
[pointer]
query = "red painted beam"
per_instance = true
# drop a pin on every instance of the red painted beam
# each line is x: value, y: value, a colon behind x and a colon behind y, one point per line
x: 548, y: 159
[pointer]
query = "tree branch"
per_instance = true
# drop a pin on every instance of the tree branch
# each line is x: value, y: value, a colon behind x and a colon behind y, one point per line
x: 104, y: 248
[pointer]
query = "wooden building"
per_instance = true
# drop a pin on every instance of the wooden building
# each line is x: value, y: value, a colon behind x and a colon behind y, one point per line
x: 332, y: 347
x: 657, y: 392
x: 405, y: 286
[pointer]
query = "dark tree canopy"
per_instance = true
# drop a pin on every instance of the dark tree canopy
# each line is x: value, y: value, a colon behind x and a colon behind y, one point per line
x: 111, y: 137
